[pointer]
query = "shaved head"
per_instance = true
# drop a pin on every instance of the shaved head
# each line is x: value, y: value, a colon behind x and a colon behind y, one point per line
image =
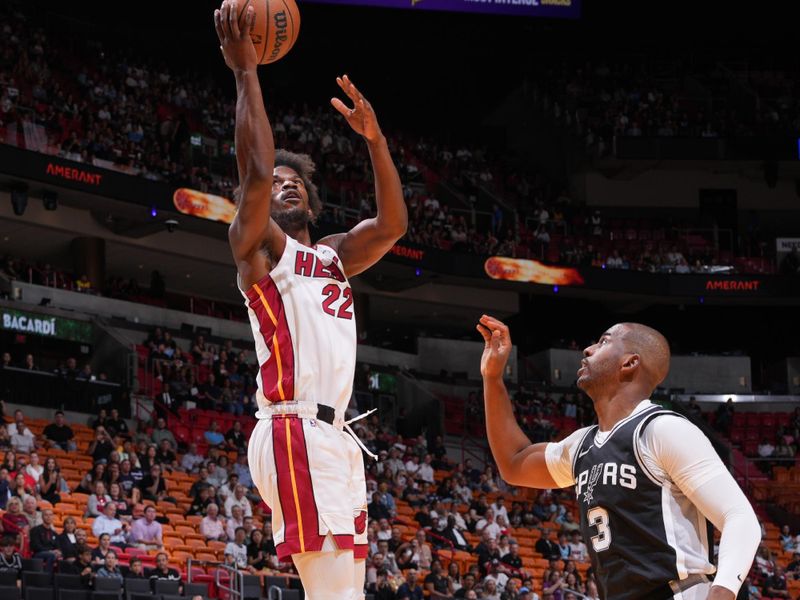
x: 627, y: 353
x: 652, y: 348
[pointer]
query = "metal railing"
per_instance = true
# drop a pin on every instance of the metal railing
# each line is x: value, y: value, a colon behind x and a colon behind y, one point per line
x: 235, y: 585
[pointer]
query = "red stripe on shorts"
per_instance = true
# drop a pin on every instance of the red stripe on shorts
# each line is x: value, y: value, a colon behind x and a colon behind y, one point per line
x: 296, y: 491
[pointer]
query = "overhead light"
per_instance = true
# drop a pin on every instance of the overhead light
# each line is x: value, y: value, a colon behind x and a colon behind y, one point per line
x: 50, y: 200
x: 19, y: 201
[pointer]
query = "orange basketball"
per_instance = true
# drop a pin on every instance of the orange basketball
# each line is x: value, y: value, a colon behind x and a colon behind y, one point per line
x: 276, y: 28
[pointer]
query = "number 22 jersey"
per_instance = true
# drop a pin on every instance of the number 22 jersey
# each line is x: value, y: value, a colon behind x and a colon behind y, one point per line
x: 304, y: 328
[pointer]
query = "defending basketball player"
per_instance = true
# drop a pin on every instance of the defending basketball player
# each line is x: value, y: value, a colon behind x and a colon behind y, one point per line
x: 646, y: 479
x: 307, y: 466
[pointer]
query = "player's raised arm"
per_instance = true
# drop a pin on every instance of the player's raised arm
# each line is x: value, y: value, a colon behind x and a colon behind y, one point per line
x: 252, y: 229
x: 519, y: 462
x: 367, y: 242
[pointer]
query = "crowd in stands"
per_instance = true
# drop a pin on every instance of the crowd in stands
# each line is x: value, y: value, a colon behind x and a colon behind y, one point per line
x: 602, y: 99
x: 66, y: 368
x: 103, y: 106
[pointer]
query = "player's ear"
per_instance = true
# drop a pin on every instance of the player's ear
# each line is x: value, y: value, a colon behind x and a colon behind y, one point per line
x: 630, y: 364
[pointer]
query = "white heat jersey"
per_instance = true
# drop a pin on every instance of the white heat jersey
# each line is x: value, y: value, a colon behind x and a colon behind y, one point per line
x: 304, y: 327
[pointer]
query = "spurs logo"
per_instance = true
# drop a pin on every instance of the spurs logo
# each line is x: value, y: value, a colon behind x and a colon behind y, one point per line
x: 594, y: 477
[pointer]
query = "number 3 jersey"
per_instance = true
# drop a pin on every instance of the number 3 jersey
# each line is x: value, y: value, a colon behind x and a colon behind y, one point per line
x: 304, y: 328
x: 640, y: 529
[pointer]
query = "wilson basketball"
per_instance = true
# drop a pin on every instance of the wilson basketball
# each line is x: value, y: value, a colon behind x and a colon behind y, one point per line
x: 276, y: 28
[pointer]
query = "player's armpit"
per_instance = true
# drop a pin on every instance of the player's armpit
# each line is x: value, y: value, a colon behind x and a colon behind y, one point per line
x: 528, y: 468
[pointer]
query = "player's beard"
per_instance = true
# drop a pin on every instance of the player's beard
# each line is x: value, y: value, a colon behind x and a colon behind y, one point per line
x: 292, y: 220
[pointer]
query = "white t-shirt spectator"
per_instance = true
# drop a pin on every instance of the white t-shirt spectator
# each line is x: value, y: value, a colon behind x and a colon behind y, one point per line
x: 425, y: 472
x: 239, y: 553
x: 493, y: 528
x: 578, y: 551
x: 500, y: 511
x: 412, y: 467
x: 231, y: 501
x: 22, y: 442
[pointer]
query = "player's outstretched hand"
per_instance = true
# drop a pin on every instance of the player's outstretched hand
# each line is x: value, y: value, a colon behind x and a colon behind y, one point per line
x: 233, y: 31
x: 361, y: 117
x: 497, y: 348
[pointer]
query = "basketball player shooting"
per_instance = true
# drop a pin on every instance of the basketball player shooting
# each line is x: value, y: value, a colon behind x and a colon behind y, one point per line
x: 646, y: 479
x: 305, y: 461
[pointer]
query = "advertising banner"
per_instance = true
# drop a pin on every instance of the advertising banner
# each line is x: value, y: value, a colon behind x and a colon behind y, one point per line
x: 565, y: 9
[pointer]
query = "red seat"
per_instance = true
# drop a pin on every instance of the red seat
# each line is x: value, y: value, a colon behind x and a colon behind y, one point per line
x: 782, y: 419
x: 751, y: 435
x: 767, y: 420
x: 753, y: 419
x: 751, y: 448
x: 739, y: 419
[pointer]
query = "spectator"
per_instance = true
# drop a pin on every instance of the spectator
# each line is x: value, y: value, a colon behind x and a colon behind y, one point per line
x: 578, y: 550
x: 98, y: 500
x: 563, y: 546
x: 34, y: 469
x: 110, y: 524
x: 10, y: 560
x: 163, y: 571
x: 239, y: 499
x: 235, y: 521
x: 568, y: 524
x: 775, y: 585
x: 235, y: 439
x: 238, y: 550
x: 88, y: 482
x: 213, y: 437
x: 50, y: 482
x: 102, y: 418
x: 166, y: 457
x: 435, y: 582
x: 454, y: 534
x: 110, y: 568
x: 488, y: 524
x: 547, y: 547
x: 229, y: 488
x: 788, y: 541
x: 22, y: 440
x: 103, y: 548
x: 242, y: 469
x: 43, y: 542
x: 118, y: 499
x: 191, y: 461
x: 31, y: 511
x: 67, y: 540
x: 146, y: 532
x: 136, y: 569
x: 160, y: 432
x: 216, y: 475
x: 59, y: 434
x: 512, y: 558
x: 5, y: 488
x: 14, y: 522
x: 212, y: 527
x: 410, y: 589
x: 168, y: 402
x: 116, y: 425
x: 81, y: 566
x: 201, y: 501
x: 102, y: 446
x: 425, y: 471
x: 153, y: 487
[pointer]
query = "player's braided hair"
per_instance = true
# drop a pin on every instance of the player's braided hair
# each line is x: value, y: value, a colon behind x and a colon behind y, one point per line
x: 303, y: 165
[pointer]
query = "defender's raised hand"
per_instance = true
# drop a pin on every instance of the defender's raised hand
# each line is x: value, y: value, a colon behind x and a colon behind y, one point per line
x: 497, y: 348
x: 361, y: 117
x: 233, y: 31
